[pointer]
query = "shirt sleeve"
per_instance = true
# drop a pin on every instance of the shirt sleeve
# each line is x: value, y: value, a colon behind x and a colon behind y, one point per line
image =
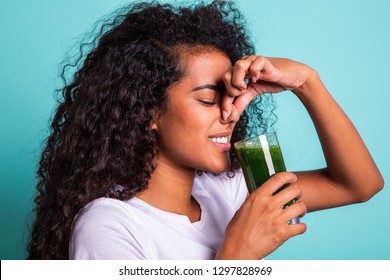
x: 102, y: 232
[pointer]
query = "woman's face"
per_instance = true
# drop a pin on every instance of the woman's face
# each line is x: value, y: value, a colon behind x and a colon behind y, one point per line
x: 192, y: 133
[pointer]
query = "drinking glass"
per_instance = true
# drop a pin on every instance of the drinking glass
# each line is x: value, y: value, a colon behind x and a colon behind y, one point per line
x: 260, y: 158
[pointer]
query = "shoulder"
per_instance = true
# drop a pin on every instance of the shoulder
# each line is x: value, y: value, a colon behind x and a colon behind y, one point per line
x: 100, y: 217
x: 103, y: 230
x: 103, y: 210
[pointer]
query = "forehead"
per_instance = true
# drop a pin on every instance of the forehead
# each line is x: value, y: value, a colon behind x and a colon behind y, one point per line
x: 204, y: 66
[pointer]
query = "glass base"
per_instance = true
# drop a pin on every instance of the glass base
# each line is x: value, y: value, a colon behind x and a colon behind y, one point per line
x: 294, y: 221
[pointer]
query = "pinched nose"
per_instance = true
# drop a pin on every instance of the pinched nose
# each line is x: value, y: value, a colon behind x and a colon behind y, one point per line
x: 233, y: 116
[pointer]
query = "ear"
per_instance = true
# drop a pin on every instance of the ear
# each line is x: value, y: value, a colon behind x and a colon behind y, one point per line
x: 154, y: 126
x: 155, y: 122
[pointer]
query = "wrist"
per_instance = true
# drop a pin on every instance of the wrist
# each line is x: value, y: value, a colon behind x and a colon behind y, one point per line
x: 227, y: 252
x: 309, y: 86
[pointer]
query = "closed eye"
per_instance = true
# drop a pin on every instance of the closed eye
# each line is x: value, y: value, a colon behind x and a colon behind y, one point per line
x: 208, y: 103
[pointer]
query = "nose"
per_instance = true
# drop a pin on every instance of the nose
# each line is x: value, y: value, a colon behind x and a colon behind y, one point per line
x: 232, y: 118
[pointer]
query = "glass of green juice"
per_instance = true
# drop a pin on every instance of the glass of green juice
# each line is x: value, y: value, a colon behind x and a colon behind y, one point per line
x: 260, y: 158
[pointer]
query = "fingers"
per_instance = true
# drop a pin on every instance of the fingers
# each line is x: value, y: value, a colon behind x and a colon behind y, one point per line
x: 253, y: 67
x: 298, y: 209
x: 296, y: 229
x: 233, y: 107
x: 289, y: 193
x: 262, y: 224
x: 227, y: 106
x: 248, y: 67
x: 238, y: 95
x: 281, y: 198
x: 276, y: 182
x: 238, y: 76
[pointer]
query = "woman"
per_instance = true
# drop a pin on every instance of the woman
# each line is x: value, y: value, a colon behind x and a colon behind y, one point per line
x: 139, y: 164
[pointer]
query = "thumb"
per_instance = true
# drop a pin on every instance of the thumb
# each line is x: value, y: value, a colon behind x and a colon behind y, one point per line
x: 226, y: 106
x: 242, y: 101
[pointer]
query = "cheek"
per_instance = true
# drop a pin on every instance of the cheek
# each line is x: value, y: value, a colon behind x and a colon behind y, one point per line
x: 177, y: 130
x: 185, y: 119
x: 183, y: 136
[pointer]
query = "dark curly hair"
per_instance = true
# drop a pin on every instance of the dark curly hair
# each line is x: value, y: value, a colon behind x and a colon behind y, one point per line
x: 101, y: 132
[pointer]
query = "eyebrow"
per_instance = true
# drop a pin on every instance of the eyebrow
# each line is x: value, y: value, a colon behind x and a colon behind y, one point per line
x: 209, y: 86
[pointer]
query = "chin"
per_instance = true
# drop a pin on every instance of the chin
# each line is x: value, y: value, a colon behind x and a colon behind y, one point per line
x: 221, y: 167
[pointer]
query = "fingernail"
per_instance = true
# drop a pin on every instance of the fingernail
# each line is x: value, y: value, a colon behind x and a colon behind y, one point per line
x: 225, y: 115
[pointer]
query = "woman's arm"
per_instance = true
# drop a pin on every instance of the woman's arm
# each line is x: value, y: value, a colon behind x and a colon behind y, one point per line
x: 351, y: 175
x: 260, y: 225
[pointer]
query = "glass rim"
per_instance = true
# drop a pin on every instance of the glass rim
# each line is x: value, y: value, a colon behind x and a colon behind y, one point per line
x: 272, y: 134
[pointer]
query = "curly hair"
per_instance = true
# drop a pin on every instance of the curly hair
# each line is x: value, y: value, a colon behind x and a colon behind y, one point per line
x: 101, y: 132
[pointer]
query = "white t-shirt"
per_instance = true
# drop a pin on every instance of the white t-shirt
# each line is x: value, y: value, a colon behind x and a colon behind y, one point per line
x: 112, y: 229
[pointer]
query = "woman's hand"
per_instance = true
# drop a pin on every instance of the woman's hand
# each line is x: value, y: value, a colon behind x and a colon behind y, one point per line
x: 261, y: 224
x: 254, y: 75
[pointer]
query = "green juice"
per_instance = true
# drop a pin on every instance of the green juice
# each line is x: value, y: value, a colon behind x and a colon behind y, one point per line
x: 255, y: 168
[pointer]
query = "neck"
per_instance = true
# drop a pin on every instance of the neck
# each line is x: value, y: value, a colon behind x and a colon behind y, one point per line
x: 170, y: 189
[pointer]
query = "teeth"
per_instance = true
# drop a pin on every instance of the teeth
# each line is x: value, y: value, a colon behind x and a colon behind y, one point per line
x: 222, y: 140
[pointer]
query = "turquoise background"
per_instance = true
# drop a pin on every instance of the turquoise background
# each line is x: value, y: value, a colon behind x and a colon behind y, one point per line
x: 347, y: 42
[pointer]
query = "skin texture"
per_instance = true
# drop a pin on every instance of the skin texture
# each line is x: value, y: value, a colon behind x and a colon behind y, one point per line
x: 195, y: 114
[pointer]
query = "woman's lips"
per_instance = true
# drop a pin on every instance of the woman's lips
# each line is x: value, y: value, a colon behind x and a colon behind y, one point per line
x: 221, y: 142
